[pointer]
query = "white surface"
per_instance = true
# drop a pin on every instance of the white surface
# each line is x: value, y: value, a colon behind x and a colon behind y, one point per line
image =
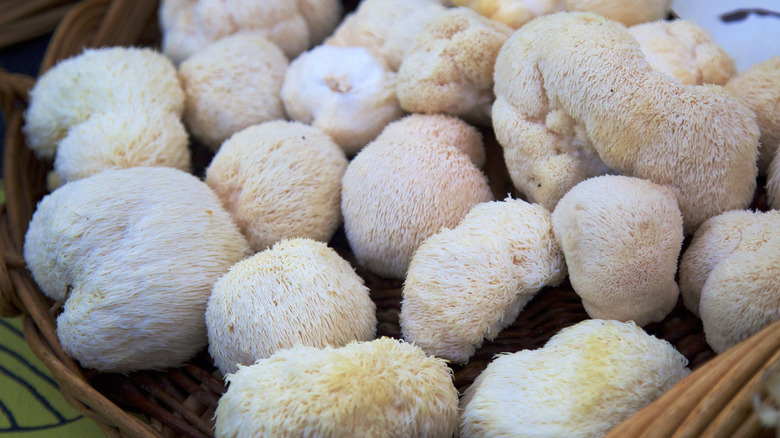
x: 749, y: 41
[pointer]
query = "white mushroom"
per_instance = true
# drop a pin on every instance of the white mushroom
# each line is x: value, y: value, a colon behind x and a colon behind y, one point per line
x: 298, y: 292
x: 96, y: 82
x: 621, y: 237
x: 188, y: 26
x: 395, y: 195
x: 345, y: 91
x: 387, y: 28
x: 470, y: 282
x: 438, y: 128
x: 133, y: 254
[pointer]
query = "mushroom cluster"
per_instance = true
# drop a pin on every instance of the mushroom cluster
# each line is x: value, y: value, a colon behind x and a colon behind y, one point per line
x: 345, y: 153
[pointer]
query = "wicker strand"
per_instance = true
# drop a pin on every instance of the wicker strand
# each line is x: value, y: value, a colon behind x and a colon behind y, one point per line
x: 77, y: 387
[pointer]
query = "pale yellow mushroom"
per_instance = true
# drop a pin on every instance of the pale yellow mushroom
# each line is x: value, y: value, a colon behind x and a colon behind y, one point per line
x: 300, y: 292
x: 383, y: 388
x: 587, y: 379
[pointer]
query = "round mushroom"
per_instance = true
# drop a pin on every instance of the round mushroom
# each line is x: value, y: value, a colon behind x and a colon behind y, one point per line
x: 621, y: 237
x: 126, y: 252
x: 438, y: 128
x: 383, y: 388
x: 298, y: 292
x: 468, y: 283
x: 280, y: 180
x: 395, y: 195
x: 232, y: 84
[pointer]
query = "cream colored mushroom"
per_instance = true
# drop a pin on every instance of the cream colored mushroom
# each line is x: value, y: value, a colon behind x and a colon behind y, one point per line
x: 345, y: 91
x: 627, y: 12
x: 395, y: 195
x: 587, y: 379
x: 438, y: 128
x: 684, y: 50
x: 729, y: 275
x: 468, y: 283
x: 133, y: 255
x: 383, y: 388
x: 574, y: 96
x: 298, y: 292
x: 280, y: 180
x: 715, y: 240
x: 450, y: 68
x: 387, y: 28
x: 188, y: 26
x: 621, y: 237
x: 758, y: 87
x: 232, y: 84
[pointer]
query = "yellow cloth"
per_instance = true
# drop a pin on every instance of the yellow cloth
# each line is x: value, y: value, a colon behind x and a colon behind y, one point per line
x: 31, y: 405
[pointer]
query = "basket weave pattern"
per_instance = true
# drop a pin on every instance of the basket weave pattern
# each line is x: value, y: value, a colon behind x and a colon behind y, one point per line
x: 715, y: 400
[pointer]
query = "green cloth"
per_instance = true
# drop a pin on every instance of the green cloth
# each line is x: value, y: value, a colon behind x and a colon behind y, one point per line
x: 31, y: 405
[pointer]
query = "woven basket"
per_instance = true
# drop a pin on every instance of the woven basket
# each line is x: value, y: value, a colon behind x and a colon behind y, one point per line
x: 716, y: 399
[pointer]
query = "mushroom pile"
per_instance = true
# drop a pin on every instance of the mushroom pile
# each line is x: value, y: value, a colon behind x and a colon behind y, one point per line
x: 622, y: 135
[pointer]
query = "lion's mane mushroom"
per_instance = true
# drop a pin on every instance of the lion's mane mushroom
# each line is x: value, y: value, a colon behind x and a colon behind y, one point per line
x: 516, y: 13
x: 773, y: 183
x: 758, y: 87
x: 383, y: 388
x: 133, y: 255
x: 232, y: 84
x: 450, y: 68
x: 188, y: 26
x: 111, y: 108
x: 627, y: 12
x: 437, y: 128
x: 730, y: 275
x: 279, y: 180
x: 298, y: 292
x: 587, y: 379
x: 513, y: 13
x: 470, y: 282
x: 387, y: 28
x: 621, y: 237
x: 395, y: 194
x: 345, y: 91
x: 574, y: 88
x: 684, y: 50
x: 121, y: 139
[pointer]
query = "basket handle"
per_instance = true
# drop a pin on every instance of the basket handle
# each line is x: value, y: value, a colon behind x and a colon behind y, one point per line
x: 14, y: 94
x: 14, y: 90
